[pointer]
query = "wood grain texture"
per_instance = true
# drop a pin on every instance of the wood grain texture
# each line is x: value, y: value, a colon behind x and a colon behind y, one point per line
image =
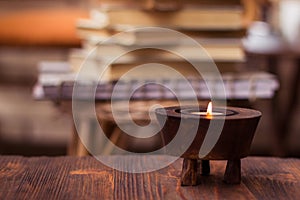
x: 86, y: 178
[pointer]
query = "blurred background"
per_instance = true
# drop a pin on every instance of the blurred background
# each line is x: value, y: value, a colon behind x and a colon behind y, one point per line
x: 35, y: 31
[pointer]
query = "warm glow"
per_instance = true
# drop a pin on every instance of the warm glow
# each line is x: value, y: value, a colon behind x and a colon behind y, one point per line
x: 209, y: 109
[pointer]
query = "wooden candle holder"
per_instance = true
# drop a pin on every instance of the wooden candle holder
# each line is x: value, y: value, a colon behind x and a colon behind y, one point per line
x: 232, y: 145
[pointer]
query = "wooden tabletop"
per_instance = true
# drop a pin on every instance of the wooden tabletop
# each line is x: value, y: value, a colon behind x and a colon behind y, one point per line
x: 87, y: 178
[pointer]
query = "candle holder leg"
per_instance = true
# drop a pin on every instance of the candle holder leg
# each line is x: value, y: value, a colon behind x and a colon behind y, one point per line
x: 205, y: 167
x: 233, y: 172
x: 189, y: 172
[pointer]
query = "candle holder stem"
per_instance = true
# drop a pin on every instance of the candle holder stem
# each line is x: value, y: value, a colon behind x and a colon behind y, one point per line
x: 205, y: 167
x: 233, y: 172
x: 189, y: 172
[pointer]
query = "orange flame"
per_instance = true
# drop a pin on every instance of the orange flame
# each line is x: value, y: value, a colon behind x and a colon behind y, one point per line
x: 209, y: 109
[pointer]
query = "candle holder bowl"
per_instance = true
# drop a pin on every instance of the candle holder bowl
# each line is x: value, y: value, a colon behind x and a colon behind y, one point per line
x: 233, y: 144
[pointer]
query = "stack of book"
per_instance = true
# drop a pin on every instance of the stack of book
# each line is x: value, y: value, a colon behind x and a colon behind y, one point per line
x: 217, y: 26
x: 121, y: 35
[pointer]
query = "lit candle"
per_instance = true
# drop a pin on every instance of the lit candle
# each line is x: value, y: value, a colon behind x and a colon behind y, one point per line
x: 213, y: 141
x: 209, y: 112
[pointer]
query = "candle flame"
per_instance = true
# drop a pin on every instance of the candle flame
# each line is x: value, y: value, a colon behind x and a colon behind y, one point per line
x: 209, y: 109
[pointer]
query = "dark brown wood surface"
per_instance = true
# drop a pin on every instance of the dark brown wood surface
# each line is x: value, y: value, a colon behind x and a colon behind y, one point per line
x: 87, y: 178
